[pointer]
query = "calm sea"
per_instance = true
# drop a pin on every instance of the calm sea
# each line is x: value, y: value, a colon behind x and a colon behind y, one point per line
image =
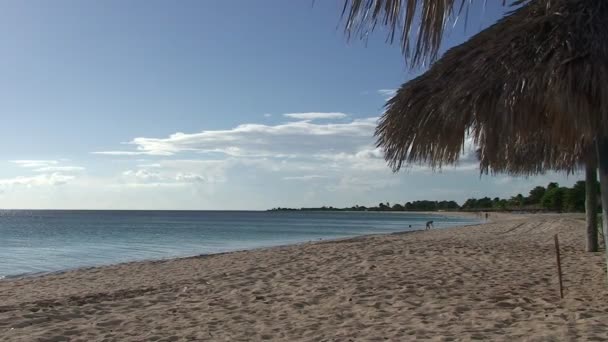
x: 38, y: 241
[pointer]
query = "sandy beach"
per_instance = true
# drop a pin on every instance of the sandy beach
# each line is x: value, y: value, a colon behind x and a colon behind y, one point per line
x: 495, y: 281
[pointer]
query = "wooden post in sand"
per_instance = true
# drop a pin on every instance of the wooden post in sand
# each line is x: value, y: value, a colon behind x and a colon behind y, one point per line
x: 559, y: 267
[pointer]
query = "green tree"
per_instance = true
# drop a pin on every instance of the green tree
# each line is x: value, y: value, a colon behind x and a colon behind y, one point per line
x: 552, y: 185
x: 471, y: 203
x: 502, y: 204
x: 536, y: 195
x: 574, y: 198
x: 484, y: 203
x: 518, y: 200
x: 553, y: 198
x: 447, y: 205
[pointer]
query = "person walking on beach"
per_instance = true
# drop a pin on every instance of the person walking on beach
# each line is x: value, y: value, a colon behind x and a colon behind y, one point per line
x: 429, y: 225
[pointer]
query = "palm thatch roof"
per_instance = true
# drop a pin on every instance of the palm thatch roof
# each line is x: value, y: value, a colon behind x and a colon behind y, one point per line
x: 399, y: 17
x: 534, y: 156
x: 532, y: 90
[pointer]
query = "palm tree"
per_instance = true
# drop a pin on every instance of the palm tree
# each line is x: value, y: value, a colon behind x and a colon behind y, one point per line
x: 536, y: 77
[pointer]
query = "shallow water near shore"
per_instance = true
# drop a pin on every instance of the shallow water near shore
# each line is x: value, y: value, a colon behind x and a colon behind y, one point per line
x: 40, y: 241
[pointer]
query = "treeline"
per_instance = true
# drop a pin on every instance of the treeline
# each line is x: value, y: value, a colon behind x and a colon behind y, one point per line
x: 551, y: 198
x: 409, y: 206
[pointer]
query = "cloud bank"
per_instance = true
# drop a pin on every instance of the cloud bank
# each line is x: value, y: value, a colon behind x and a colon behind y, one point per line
x: 298, y: 138
x: 337, y: 154
x: 316, y: 116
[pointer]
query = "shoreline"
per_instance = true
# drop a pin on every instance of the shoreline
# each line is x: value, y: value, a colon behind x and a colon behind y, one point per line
x: 47, y: 273
x: 493, y: 281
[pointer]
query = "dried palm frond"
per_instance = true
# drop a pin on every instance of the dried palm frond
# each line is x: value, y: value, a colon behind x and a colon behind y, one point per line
x: 531, y: 89
x: 399, y: 17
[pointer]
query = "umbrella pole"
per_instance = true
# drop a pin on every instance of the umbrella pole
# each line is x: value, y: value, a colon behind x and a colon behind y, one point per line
x: 602, y: 159
x: 591, y: 206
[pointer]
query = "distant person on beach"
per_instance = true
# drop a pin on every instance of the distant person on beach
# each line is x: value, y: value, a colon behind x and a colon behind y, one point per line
x: 429, y: 225
x: 486, y: 216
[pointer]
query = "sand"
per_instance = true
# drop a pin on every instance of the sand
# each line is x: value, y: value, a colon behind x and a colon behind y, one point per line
x: 495, y: 281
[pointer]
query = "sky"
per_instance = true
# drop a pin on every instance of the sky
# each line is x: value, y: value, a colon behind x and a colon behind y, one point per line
x: 148, y: 104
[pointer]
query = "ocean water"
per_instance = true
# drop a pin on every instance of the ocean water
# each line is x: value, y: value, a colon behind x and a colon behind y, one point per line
x: 40, y: 241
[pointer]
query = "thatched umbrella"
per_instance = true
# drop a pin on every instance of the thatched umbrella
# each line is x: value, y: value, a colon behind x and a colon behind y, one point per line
x: 534, y: 155
x: 538, y: 77
x: 363, y: 16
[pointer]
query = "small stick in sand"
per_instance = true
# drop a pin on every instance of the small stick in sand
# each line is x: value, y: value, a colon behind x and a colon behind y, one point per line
x: 559, y: 267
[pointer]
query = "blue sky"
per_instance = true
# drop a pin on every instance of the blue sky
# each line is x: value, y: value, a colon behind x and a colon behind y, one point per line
x: 206, y: 105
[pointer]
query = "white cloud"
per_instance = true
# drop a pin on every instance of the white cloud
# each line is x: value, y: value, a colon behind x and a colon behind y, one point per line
x: 365, y: 159
x: 387, y: 93
x: 258, y: 140
x: 134, y: 153
x: 142, y: 174
x: 267, y: 115
x: 152, y: 185
x: 304, y: 178
x: 46, y: 166
x: 332, y: 159
x: 316, y: 116
x: 60, y: 169
x: 177, y: 172
x: 300, y: 151
x: 175, y: 180
x: 188, y: 177
x: 152, y: 165
x: 38, y: 180
x: 468, y: 159
x: 365, y: 183
x: 31, y: 163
